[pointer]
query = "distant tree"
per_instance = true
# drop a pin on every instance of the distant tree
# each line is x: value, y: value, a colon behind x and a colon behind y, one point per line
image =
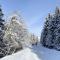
x: 34, y: 39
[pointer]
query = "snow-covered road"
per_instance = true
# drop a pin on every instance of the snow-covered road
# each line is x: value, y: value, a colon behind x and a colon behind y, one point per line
x: 35, y: 53
x: 25, y: 54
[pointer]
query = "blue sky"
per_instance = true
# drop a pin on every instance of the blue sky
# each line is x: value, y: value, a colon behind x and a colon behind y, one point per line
x: 33, y: 11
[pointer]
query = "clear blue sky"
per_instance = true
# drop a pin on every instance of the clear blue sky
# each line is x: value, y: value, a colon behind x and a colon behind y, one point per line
x: 33, y: 11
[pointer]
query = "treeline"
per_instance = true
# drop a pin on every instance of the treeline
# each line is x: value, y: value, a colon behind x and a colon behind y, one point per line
x: 50, y: 36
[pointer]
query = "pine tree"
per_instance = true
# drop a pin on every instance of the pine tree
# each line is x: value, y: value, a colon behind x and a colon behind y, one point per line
x: 57, y: 30
x: 45, y: 32
x: 2, y: 44
x: 16, y: 34
x: 50, y: 36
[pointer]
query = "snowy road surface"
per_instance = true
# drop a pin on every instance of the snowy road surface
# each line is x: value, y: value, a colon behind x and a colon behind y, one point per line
x: 35, y: 53
x: 25, y: 54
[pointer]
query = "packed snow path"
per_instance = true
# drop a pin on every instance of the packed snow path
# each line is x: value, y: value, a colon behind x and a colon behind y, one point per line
x: 35, y: 53
x: 45, y: 53
x: 25, y: 54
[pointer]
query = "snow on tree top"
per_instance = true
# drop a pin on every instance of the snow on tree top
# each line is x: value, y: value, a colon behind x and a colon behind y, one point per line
x: 15, y: 18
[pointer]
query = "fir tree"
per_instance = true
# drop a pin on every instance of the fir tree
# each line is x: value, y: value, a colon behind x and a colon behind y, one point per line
x: 45, y: 32
x: 2, y: 45
x: 16, y: 34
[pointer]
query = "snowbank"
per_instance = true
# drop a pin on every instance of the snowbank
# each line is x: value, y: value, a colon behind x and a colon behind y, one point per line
x: 45, y: 53
x: 25, y: 54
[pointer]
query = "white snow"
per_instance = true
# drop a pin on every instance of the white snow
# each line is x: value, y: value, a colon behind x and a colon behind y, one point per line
x: 35, y: 53
x: 45, y: 53
x: 25, y: 54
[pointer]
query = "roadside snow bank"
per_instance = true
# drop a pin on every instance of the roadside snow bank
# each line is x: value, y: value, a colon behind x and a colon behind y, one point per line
x: 25, y: 54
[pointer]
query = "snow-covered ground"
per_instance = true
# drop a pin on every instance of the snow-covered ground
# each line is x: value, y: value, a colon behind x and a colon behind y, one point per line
x: 45, y: 53
x: 35, y: 53
x: 25, y: 54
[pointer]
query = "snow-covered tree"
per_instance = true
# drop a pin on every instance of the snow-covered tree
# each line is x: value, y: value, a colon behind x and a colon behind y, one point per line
x: 33, y: 39
x: 2, y: 44
x: 16, y: 34
x: 50, y: 36
x: 46, y: 32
